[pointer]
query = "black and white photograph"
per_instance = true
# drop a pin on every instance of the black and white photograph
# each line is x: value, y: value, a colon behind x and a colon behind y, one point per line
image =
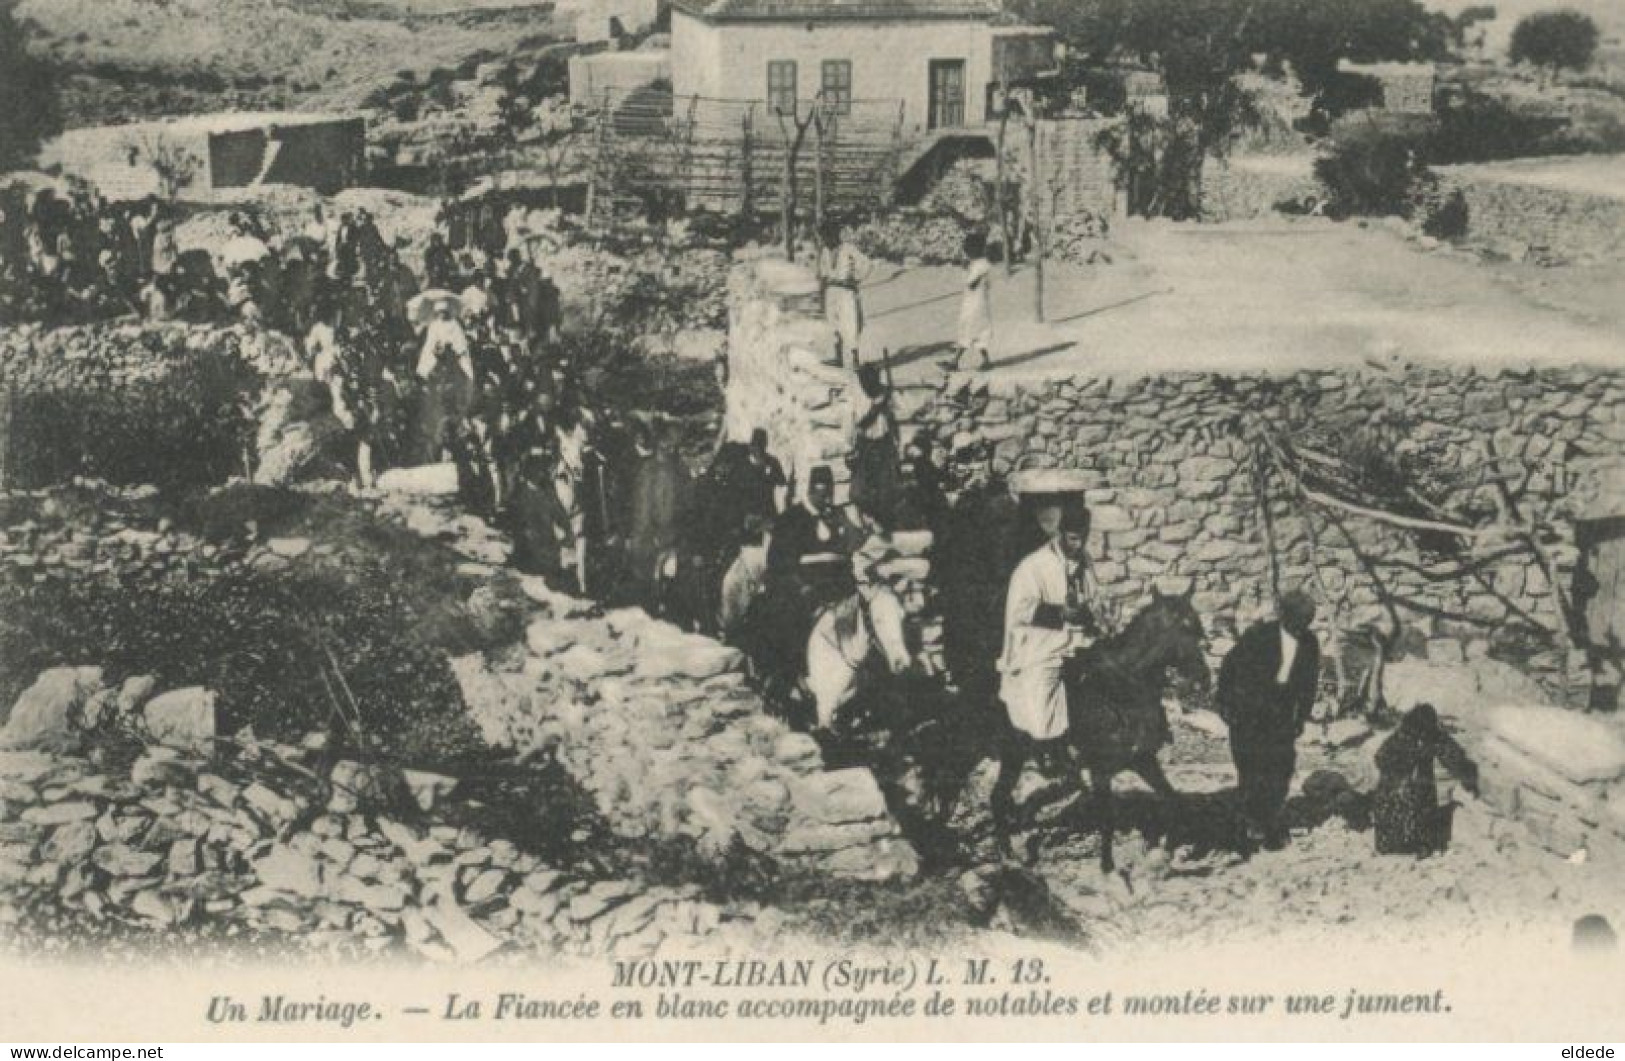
x: 854, y: 519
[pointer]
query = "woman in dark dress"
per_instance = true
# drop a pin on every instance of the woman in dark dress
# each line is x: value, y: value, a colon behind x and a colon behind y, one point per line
x: 1405, y: 807
x: 876, y: 475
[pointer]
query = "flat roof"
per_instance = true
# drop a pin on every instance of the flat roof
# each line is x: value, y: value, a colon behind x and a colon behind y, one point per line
x: 836, y: 10
x: 1380, y: 69
x: 220, y: 122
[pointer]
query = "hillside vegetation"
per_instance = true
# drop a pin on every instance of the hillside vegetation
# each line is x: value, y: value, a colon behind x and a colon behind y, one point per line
x: 127, y: 59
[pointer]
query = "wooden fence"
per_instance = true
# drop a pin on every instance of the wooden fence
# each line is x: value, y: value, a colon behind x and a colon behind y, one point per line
x: 740, y: 156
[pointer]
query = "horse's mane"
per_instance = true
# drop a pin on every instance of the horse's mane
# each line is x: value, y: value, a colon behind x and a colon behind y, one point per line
x: 1118, y: 654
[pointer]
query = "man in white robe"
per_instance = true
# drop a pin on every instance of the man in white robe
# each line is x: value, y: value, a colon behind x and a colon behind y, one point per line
x: 1051, y: 612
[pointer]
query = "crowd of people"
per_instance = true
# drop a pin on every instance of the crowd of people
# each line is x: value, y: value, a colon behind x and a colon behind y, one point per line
x: 457, y: 356
x: 452, y: 355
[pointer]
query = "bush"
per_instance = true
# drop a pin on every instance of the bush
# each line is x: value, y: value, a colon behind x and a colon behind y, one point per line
x: 366, y: 634
x: 1555, y: 40
x: 1481, y: 128
x: 1372, y: 170
x: 902, y: 236
x: 189, y: 428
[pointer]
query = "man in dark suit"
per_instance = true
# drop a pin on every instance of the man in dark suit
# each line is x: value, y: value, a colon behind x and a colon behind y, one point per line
x: 1265, y: 693
x: 811, y: 528
x: 807, y: 556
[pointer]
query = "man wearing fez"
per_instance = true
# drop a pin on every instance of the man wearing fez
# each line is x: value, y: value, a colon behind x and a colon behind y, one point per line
x: 805, y: 557
x: 1051, y: 611
x: 1265, y: 693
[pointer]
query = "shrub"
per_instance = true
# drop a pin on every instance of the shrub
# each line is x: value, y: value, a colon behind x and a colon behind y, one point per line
x: 365, y: 635
x: 902, y: 236
x: 189, y: 428
x: 1372, y: 170
x: 167, y: 405
x: 1555, y: 40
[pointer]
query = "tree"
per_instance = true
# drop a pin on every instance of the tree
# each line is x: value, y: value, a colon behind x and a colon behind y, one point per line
x: 28, y: 86
x: 1555, y: 40
x: 552, y: 126
x: 174, y: 164
x: 1199, y: 46
x: 1461, y: 29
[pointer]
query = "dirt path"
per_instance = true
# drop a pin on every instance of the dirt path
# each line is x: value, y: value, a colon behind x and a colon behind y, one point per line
x: 1328, y: 884
x: 1271, y: 295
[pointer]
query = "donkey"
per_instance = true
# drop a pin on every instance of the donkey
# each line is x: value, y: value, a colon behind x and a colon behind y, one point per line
x: 1116, y: 719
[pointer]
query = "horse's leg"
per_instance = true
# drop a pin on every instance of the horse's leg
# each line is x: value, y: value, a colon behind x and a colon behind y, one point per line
x: 1150, y: 770
x: 1100, y: 784
x: 578, y: 530
x: 1012, y: 759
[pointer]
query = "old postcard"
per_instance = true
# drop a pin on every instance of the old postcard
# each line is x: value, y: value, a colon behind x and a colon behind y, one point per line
x: 834, y: 519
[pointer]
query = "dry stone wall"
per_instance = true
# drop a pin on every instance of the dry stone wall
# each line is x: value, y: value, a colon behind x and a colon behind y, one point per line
x: 661, y: 727
x: 237, y: 843
x: 1560, y: 772
x: 784, y: 377
x: 141, y: 403
x: 784, y: 374
x: 1176, y: 501
x: 1243, y: 188
x: 1528, y: 222
x: 1078, y: 177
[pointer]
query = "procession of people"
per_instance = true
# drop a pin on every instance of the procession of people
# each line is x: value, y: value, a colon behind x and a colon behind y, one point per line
x: 457, y: 357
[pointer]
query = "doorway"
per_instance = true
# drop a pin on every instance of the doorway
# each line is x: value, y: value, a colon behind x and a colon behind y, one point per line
x: 947, y: 109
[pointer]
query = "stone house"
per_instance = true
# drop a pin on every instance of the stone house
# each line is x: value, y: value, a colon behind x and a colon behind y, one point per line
x: 596, y: 21
x: 1406, y: 88
x: 939, y: 61
x: 213, y: 152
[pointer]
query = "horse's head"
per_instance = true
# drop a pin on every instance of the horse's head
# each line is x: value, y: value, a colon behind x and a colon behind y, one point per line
x: 1175, y: 631
x: 887, y: 620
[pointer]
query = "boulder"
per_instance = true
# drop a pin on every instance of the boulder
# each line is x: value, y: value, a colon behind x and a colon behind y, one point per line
x: 885, y: 860
x: 134, y: 693
x: 70, y: 842
x: 182, y: 717
x: 427, y: 788
x: 60, y: 813
x: 52, y: 708
x: 1345, y: 732
x: 839, y: 797
x: 299, y: 438
x: 698, y: 659
x: 546, y: 637
x: 357, y: 786
x: 120, y: 860
x: 286, y: 870
x: 469, y: 942
x: 289, y: 548
x: 1582, y: 748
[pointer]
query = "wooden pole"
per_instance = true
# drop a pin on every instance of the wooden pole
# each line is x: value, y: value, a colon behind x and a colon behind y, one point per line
x: 747, y: 199
x: 818, y: 166
x: 1039, y: 242
x: 787, y: 192
x: 1001, y: 202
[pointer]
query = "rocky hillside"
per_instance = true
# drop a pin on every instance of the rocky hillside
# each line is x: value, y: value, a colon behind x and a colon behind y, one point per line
x: 133, y: 58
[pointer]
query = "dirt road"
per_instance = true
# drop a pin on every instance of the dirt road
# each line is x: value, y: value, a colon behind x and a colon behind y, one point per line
x: 1268, y: 295
x: 1329, y: 884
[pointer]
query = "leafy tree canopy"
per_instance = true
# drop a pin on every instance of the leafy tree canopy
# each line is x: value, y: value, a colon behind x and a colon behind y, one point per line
x: 1556, y: 40
x: 1197, y: 43
x: 30, y: 112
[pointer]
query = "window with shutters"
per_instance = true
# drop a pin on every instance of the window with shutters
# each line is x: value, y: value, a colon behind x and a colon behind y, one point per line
x: 781, y: 86
x: 837, y: 85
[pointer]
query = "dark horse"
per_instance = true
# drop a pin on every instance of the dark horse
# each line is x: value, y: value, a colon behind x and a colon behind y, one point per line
x: 1116, y: 719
